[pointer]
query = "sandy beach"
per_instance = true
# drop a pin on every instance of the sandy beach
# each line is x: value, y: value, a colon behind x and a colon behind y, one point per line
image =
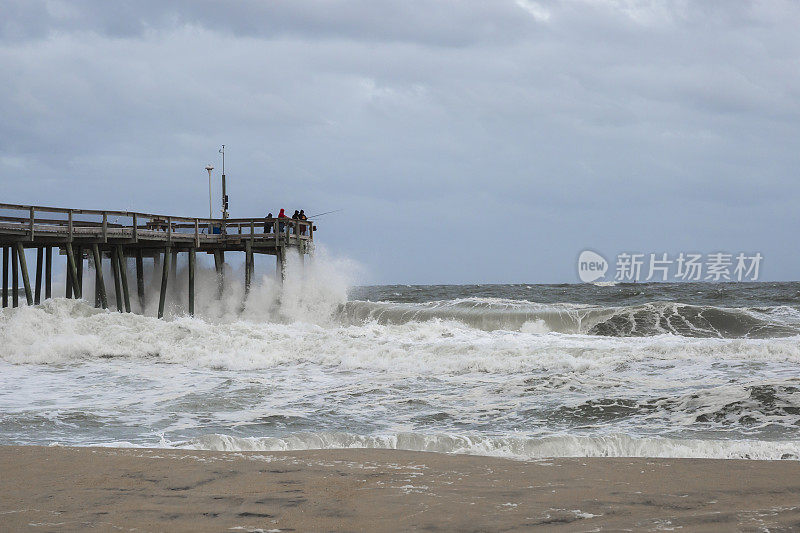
x: 75, y: 489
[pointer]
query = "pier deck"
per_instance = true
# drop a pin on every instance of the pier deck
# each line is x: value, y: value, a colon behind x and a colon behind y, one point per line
x: 96, y: 234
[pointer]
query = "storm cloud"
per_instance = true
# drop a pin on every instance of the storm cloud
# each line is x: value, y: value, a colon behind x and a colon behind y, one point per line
x: 465, y: 140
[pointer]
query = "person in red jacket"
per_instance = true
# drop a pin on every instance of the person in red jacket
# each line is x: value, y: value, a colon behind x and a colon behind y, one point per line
x: 281, y: 225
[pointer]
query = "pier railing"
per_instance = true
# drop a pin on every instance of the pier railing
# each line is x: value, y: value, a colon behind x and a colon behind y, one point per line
x: 90, y: 235
x: 27, y: 222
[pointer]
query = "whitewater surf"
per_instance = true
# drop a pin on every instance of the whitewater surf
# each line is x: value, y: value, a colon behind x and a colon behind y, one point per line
x: 523, y: 371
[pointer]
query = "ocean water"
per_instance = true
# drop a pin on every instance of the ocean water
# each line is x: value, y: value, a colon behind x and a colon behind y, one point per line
x: 524, y: 371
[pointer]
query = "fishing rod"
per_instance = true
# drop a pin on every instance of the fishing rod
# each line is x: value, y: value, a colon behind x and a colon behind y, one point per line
x: 326, y: 213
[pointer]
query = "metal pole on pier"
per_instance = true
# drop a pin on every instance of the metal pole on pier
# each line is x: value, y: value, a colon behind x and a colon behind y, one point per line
x: 224, y: 189
x: 209, y: 168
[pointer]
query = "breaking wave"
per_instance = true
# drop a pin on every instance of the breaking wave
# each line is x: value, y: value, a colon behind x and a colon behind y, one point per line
x: 67, y: 330
x: 688, y: 371
x: 657, y: 318
x: 614, y: 445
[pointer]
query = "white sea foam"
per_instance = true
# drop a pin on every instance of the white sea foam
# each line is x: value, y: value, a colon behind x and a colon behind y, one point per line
x: 614, y: 445
x: 291, y: 366
x: 63, y: 330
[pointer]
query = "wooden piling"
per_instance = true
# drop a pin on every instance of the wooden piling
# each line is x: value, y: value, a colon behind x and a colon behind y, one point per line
x: 173, y: 273
x: 192, y: 260
x: 48, y: 272
x: 248, y: 266
x: 123, y: 276
x: 97, y: 268
x: 117, y: 281
x: 72, y: 273
x: 79, y: 268
x: 280, y: 263
x: 164, y: 279
x: 68, y: 282
x: 155, y: 277
x: 99, y: 282
x: 37, y: 296
x: 5, y: 275
x: 219, y: 264
x: 14, y: 277
x: 140, y: 278
x: 26, y: 282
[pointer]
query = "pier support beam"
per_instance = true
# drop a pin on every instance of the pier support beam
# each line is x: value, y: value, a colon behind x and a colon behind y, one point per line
x: 140, y: 278
x: 72, y: 274
x: 68, y: 282
x: 248, y: 266
x: 173, y: 273
x: 164, y: 279
x: 123, y: 276
x: 26, y: 281
x: 280, y: 263
x: 155, y: 277
x: 99, y: 283
x: 6, y: 251
x: 97, y: 268
x: 117, y: 281
x: 37, y: 295
x: 79, y: 270
x: 14, y: 277
x: 219, y: 264
x: 192, y: 261
x: 48, y: 272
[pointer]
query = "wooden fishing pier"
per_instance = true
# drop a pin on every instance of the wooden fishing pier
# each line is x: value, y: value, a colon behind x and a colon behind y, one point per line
x: 117, y: 235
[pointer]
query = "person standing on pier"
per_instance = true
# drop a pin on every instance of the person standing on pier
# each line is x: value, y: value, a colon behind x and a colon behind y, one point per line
x: 268, y: 223
x: 281, y: 224
x: 294, y: 225
x: 304, y: 218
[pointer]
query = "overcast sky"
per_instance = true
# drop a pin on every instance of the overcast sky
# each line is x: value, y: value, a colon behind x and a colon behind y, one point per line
x: 465, y: 140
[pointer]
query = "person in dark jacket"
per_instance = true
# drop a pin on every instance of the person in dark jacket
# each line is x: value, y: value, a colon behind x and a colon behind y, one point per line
x: 268, y: 223
x: 302, y: 226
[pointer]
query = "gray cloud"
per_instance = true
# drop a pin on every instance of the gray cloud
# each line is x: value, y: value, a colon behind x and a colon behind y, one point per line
x: 420, y: 21
x: 493, y: 139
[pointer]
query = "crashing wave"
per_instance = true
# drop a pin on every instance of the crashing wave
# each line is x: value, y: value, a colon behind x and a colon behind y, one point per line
x: 656, y: 318
x: 526, y: 448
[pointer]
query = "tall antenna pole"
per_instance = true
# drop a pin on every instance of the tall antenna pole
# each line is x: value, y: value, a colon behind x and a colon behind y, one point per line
x: 209, y: 168
x: 224, y: 193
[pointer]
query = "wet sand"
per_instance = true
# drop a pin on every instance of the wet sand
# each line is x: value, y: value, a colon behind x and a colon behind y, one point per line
x: 76, y: 489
